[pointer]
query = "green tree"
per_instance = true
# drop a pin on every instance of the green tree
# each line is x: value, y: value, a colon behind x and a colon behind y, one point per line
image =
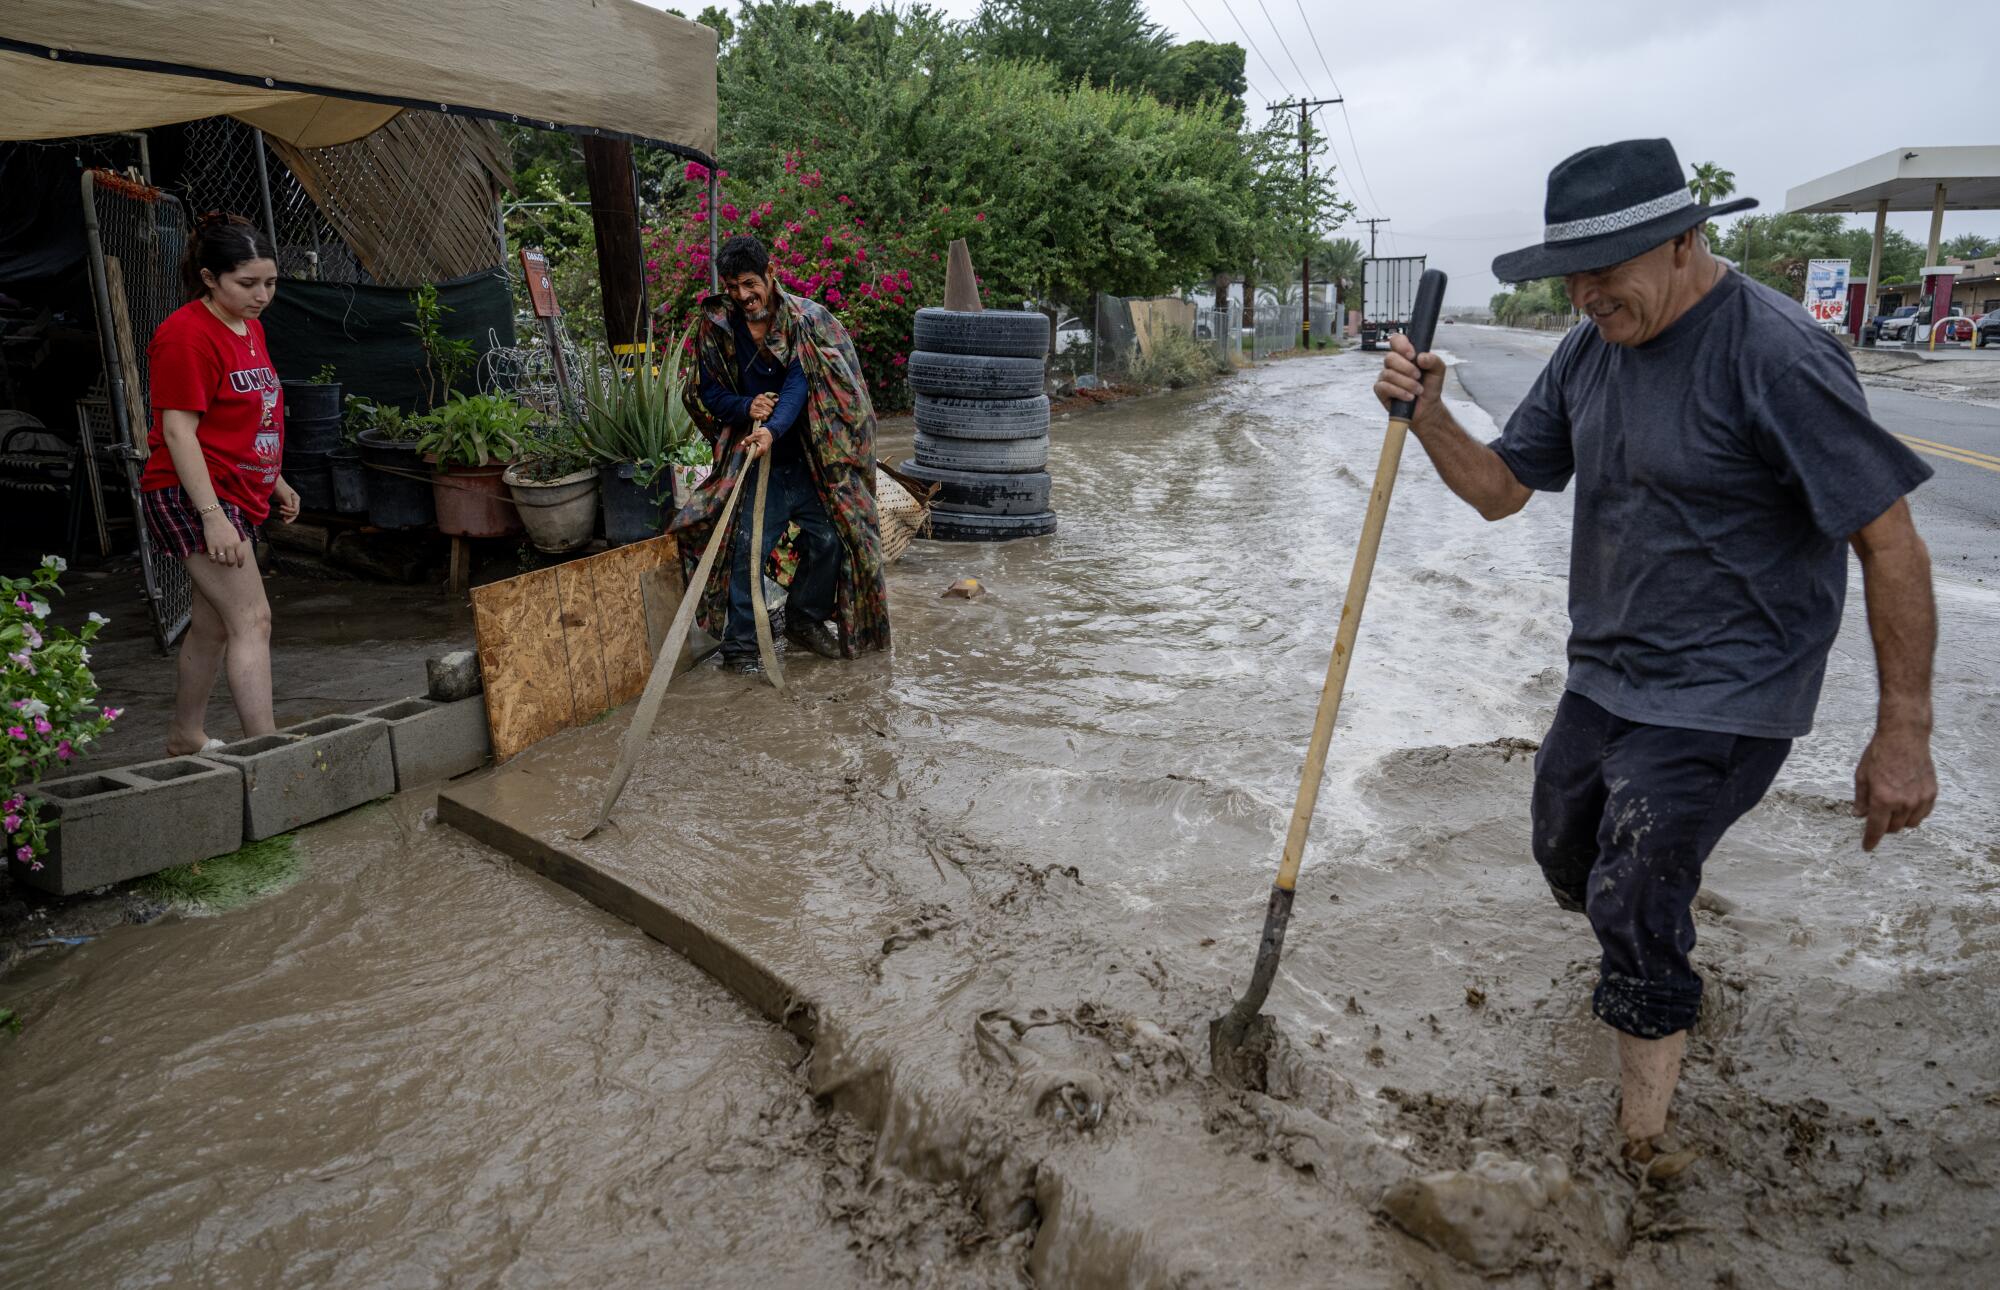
x: 1774, y: 249
x: 1338, y: 260
x: 1200, y: 70
x: 1969, y: 246
x: 1101, y: 42
x: 1711, y: 182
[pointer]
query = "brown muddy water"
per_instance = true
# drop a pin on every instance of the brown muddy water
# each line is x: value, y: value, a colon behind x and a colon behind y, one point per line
x: 1052, y: 816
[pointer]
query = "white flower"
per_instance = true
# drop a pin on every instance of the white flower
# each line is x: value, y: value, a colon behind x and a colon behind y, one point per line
x: 98, y: 618
x: 38, y: 608
x: 86, y: 655
x: 34, y: 708
x: 55, y: 562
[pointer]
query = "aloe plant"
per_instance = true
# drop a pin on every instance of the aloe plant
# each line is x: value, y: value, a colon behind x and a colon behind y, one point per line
x: 639, y: 418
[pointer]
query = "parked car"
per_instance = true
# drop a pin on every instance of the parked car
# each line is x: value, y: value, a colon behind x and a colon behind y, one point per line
x: 1987, y: 330
x: 1896, y: 326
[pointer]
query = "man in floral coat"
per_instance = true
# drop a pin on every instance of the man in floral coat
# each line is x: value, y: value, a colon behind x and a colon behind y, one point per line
x: 779, y: 374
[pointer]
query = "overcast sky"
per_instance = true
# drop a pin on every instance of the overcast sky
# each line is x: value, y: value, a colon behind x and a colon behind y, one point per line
x: 1460, y: 107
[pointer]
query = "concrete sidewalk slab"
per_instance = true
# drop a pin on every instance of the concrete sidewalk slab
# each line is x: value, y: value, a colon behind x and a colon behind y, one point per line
x: 135, y: 820
x: 970, y: 1008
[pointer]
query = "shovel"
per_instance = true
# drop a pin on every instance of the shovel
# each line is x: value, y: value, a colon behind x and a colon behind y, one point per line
x: 1239, y: 1041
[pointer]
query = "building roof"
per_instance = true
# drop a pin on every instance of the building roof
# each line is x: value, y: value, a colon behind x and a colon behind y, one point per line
x: 1908, y: 178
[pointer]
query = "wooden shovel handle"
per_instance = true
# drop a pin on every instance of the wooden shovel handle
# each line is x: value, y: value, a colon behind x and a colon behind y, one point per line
x: 1343, y: 651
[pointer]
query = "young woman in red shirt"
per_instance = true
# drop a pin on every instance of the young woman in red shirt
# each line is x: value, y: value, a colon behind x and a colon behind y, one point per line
x: 214, y: 452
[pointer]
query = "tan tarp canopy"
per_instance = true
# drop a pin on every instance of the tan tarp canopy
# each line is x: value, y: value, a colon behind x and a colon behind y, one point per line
x: 317, y: 75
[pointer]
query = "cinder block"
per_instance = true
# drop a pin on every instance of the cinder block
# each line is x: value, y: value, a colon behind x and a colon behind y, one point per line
x: 453, y: 676
x: 432, y: 740
x: 135, y: 820
x: 310, y: 771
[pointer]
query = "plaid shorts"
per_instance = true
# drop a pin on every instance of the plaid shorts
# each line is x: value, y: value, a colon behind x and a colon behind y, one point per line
x: 176, y: 528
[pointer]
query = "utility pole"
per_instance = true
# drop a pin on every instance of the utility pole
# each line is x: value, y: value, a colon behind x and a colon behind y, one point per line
x: 1305, y: 190
x: 1371, y: 223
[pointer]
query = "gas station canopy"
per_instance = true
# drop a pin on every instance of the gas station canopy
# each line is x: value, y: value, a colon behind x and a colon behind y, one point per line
x: 1908, y: 179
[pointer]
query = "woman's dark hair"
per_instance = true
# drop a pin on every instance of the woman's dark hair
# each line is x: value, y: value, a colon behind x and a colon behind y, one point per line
x: 740, y: 255
x: 221, y: 241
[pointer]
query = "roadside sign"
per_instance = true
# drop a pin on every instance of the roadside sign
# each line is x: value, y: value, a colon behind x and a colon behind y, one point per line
x: 541, y: 291
x: 1826, y: 292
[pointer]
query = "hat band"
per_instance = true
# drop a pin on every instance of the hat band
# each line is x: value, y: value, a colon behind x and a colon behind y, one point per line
x: 1616, y: 221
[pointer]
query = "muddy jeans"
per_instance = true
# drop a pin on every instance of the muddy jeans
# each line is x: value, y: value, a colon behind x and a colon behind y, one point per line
x: 791, y: 497
x: 1624, y: 815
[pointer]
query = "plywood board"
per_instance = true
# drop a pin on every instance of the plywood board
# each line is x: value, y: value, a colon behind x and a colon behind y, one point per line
x: 560, y: 646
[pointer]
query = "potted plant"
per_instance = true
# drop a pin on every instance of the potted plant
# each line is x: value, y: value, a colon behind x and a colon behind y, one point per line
x: 470, y: 441
x: 398, y: 482
x: 554, y: 486
x: 638, y: 427
x: 313, y: 411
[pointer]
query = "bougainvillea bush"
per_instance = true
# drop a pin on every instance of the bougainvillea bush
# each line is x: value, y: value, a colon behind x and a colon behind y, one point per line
x: 48, y: 703
x: 824, y: 248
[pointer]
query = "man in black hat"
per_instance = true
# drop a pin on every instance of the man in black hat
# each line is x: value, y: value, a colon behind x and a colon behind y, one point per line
x: 1724, y: 461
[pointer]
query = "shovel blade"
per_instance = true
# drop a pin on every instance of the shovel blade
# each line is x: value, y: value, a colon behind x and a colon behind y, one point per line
x: 1240, y: 1053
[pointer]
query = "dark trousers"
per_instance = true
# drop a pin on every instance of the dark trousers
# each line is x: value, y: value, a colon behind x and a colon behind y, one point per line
x: 791, y: 498
x: 1624, y: 815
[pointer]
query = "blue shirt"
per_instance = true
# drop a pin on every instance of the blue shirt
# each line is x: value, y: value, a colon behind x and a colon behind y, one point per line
x: 757, y: 373
x: 1720, y: 468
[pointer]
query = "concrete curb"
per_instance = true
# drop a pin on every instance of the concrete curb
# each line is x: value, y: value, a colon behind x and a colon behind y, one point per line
x: 429, y: 740
x: 309, y: 772
x: 135, y: 820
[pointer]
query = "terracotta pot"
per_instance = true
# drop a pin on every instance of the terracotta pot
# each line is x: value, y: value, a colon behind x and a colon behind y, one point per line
x: 472, y: 501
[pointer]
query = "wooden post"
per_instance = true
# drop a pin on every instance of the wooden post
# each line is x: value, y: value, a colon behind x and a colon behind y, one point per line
x: 614, y: 214
x: 461, y: 566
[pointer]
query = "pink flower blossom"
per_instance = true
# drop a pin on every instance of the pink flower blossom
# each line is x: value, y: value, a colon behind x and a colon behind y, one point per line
x: 22, y: 603
x: 695, y: 172
x: 64, y: 751
x: 980, y: 218
x: 25, y: 854
x: 15, y: 732
x: 112, y: 714
x: 14, y: 803
x: 833, y: 296
x: 899, y: 360
x: 13, y: 823
x: 42, y: 726
x: 729, y: 212
x: 756, y: 219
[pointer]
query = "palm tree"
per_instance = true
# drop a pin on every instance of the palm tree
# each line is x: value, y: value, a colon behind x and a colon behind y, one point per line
x: 1339, y: 262
x: 1711, y: 182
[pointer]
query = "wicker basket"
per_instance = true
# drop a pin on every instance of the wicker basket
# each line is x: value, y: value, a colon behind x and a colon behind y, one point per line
x: 904, y: 506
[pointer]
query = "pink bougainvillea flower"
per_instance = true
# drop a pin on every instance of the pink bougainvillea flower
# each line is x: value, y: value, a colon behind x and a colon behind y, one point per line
x: 757, y: 219
x: 899, y: 360
x: 833, y: 296
x: 729, y: 212
x: 695, y: 172
x: 979, y: 218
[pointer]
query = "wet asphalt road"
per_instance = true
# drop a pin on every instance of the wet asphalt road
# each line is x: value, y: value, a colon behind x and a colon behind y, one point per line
x: 1957, y: 511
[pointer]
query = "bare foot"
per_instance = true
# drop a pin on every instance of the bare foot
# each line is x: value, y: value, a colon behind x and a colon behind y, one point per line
x: 178, y: 746
x: 1658, y: 1160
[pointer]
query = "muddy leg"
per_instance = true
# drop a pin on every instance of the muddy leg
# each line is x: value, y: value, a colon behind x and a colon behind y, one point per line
x: 1648, y: 1070
x: 194, y: 676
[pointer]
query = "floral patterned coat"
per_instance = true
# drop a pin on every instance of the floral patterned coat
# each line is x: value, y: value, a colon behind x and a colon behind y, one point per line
x: 839, y: 426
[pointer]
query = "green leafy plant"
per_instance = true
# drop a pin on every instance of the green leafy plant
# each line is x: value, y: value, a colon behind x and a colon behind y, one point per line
x: 638, y: 416
x: 554, y: 449
x: 227, y: 882
x: 325, y: 375
x: 445, y: 359
x: 474, y: 431
x: 50, y: 714
x: 384, y: 419
x: 1172, y: 359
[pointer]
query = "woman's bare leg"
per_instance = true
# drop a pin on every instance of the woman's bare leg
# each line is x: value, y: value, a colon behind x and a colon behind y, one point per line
x: 237, y: 597
x: 200, y: 656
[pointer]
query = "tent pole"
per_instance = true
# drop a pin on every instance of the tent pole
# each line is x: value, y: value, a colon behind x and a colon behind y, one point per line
x: 714, y: 194
x: 264, y: 187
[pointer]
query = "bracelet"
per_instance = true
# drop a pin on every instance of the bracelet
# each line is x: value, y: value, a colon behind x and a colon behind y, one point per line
x: 212, y: 506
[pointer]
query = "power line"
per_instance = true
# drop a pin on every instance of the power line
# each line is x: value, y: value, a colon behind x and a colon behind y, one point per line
x: 1252, y: 41
x: 1213, y: 41
x: 1284, y: 45
x: 1331, y: 79
x: 1354, y: 144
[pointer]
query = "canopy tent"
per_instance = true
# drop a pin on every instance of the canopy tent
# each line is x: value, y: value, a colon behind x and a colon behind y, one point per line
x: 1905, y: 179
x: 320, y: 75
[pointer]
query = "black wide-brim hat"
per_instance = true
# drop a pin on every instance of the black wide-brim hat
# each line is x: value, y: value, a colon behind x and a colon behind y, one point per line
x: 1608, y: 204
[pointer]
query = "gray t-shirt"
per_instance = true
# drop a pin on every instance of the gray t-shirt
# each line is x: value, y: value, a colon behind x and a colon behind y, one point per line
x: 1720, y: 469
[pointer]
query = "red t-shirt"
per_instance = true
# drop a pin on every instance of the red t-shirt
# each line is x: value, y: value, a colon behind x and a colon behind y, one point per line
x: 199, y: 365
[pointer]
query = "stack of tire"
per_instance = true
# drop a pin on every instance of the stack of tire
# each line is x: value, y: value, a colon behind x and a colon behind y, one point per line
x: 983, y: 423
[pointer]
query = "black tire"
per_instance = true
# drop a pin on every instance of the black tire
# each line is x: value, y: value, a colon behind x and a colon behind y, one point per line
x: 1000, y: 456
x: 983, y: 418
x: 972, y: 492
x: 991, y: 528
x: 975, y: 376
x: 1001, y: 333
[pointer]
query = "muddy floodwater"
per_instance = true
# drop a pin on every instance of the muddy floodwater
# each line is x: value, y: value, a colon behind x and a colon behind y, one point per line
x: 423, y: 1065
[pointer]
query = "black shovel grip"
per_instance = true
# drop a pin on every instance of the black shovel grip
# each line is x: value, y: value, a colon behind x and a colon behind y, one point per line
x: 1423, y: 328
